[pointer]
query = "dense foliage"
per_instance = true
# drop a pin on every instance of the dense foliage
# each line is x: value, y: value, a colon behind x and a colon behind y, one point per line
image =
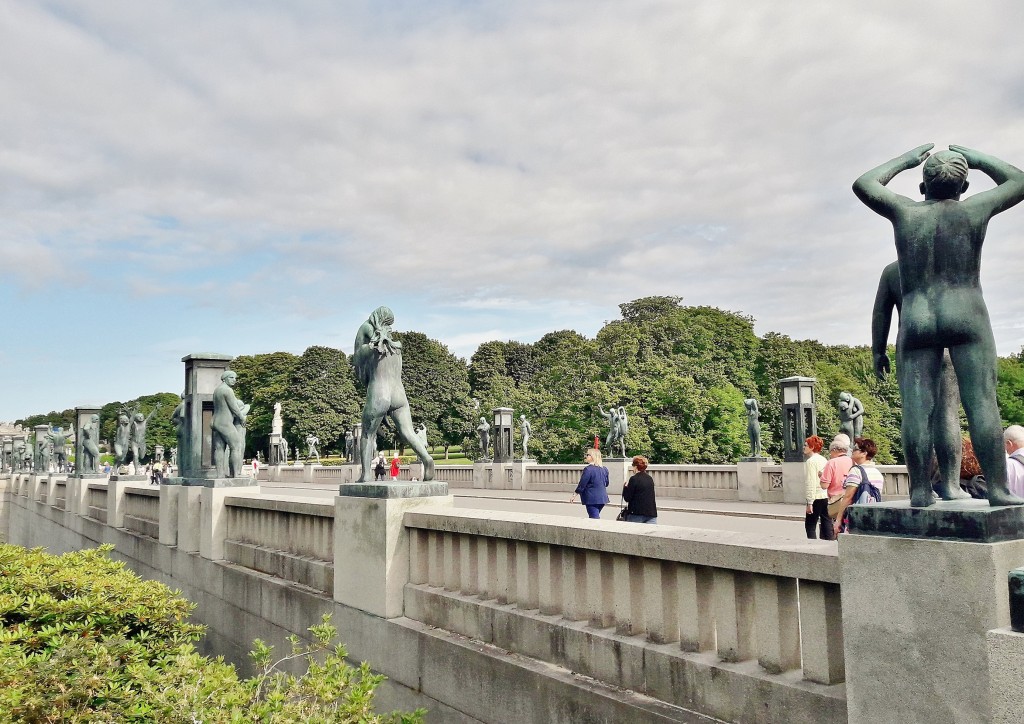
x: 681, y: 373
x: 82, y: 639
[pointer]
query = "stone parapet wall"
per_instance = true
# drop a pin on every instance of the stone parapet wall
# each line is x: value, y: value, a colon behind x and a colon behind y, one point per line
x: 627, y: 605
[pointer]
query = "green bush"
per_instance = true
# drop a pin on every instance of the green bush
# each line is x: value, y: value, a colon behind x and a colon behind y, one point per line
x: 83, y: 639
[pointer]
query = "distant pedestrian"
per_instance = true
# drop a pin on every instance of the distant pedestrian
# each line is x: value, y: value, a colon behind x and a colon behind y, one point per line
x: 593, y: 485
x: 815, y: 498
x: 638, y: 494
x: 395, y: 468
x: 380, y: 466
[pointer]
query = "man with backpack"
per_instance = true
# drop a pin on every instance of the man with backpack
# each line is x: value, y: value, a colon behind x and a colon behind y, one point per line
x: 864, y: 482
x: 1013, y: 442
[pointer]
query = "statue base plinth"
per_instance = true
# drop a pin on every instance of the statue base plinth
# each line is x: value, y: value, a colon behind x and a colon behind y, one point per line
x: 212, y: 482
x: 526, y: 461
x: 393, y: 490
x: 114, y: 478
x: 483, y: 460
x: 971, y: 520
x: 756, y: 459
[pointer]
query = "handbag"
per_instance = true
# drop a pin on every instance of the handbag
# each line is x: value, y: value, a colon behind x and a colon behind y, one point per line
x: 834, y: 504
x: 622, y: 510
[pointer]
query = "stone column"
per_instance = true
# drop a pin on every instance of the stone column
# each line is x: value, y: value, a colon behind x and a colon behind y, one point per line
x: 115, y: 503
x: 618, y: 473
x: 213, y: 518
x: 920, y: 589
x: 169, y: 513
x: 371, y: 546
x: 481, y: 474
x: 793, y: 476
x: 748, y: 476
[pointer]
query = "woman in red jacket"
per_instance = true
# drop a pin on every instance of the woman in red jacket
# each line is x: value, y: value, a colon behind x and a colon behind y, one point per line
x: 394, y: 468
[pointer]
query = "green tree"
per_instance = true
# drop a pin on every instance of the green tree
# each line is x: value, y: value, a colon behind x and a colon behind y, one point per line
x: 437, y: 385
x: 263, y: 380
x: 324, y: 401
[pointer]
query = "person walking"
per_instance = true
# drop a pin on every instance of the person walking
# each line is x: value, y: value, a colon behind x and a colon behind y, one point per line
x: 815, y: 498
x: 395, y: 468
x: 638, y: 494
x: 379, y: 467
x: 593, y: 485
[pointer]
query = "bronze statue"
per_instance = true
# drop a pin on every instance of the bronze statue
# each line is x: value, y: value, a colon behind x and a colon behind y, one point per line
x: 228, y: 427
x: 138, y: 444
x: 753, y: 426
x: 946, y: 438
x: 483, y: 431
x: 90, y: 433
x: 938, y: 247
x: 851, y: 415
x: 122, y: 438
x: 378, y: 361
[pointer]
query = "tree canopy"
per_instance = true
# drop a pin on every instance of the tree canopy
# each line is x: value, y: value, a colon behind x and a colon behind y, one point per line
x: 681, y: 373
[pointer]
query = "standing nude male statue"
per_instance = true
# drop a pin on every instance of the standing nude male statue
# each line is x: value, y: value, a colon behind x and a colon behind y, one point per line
x: 938, y: 247
x: 377, y: 358
x: 228, y: 427
x: 946, y: 421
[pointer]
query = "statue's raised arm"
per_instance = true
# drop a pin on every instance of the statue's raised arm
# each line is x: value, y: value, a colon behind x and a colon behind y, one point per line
x: 1009, y: 190
x: 871, y: 187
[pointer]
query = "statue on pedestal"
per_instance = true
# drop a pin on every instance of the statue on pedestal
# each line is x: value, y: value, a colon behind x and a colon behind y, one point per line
x: 753, y: 426
x: 277, y: 424
x: 484, y: 431
x: 311, y: 442
x: 122, y: 438
x: 526, y: 429
x: 138, y: 444
x: 378, y: 361
x: 851, y: 415
x: 618, y: 426
x: 938, y: 247
x: 228, y: 427
x: 90, y: 433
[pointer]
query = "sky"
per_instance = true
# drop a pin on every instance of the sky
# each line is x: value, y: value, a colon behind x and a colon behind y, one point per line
x: 244, y: 176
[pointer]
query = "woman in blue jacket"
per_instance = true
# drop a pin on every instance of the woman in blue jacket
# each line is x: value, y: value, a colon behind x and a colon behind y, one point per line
x: 593, y: 486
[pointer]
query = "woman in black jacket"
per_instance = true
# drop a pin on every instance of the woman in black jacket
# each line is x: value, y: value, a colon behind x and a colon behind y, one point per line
x: 638, y: 492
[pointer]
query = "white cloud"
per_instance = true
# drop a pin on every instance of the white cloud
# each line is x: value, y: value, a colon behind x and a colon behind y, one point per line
x: 294, y: 161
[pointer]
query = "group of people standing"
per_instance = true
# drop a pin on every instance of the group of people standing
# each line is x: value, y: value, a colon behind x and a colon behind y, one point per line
x: 637, y: 492
x: 380, y: 467
x: 832, y: 485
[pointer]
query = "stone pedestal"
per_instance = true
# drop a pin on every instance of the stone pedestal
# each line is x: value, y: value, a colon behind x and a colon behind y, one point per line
x: 198, y: 522
x: 519, y: 472
x: 916, y: 609
x: 371, y: 546
x: 76, y: 496
x: 213, y: 518
x: 169, y: 493
x: 618, y: 473
x: 482, y: 473
x: 748, y: 477
x: 307, y: 473
x: 793, y: 477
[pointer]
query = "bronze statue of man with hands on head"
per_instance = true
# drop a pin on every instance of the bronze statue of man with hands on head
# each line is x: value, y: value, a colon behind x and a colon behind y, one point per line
x: 938, y: 247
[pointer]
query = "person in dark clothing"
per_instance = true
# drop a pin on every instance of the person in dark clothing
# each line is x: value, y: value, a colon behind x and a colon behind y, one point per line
x: 638, y: 492
x: 593, y: 485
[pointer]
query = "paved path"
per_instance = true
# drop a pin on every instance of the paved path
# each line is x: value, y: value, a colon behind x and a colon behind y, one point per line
x: 778, y: 519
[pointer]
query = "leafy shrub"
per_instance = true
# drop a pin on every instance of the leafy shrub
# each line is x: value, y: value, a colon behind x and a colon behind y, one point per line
x: 83, y: 639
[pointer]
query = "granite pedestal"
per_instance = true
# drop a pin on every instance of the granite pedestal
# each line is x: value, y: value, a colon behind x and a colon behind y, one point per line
x: 920, y: 589
x: 371, y: 546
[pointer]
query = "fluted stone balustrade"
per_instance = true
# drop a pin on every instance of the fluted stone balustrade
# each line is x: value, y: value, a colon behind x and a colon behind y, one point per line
x: 629, y: 604
x: 284, y: 537
x: 142, y: 510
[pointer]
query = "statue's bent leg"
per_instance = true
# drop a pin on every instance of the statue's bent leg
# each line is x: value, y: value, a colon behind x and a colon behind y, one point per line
x: 976, y: 372
x: 402, y: 418
x: 918, y: 372
x: 946, y: 434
